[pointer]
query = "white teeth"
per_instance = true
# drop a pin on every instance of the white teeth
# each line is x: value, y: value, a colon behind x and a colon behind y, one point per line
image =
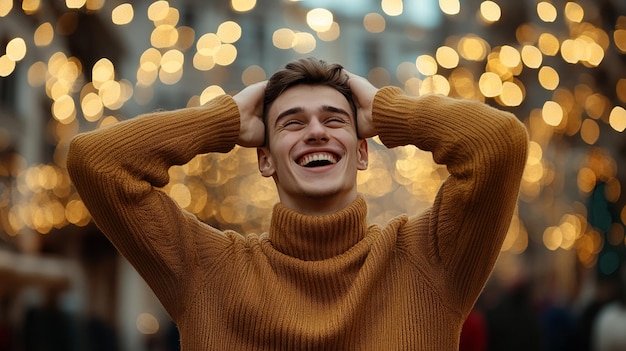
x: 317, y: 157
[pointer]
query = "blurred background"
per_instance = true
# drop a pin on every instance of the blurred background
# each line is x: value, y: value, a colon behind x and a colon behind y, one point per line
x: 68, y: 66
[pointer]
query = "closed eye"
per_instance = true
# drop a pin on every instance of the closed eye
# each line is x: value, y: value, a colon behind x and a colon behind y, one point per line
x: 335, y: 122
x: 292, y: 124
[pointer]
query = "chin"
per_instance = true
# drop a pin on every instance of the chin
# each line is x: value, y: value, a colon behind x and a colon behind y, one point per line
x: 318, y: 192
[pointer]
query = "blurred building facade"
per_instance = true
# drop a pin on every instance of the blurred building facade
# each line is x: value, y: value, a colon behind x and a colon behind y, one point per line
x: 72, y: 66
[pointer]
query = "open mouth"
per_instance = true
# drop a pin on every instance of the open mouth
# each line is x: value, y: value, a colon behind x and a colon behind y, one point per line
x: 318, y: 159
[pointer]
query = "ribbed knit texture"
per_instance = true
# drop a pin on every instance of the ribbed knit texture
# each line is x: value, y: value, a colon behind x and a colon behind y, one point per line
x: 311, y: 283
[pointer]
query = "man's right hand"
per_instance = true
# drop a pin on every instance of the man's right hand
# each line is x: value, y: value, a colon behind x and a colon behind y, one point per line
x: 363, y: 93
x: 250, y: 104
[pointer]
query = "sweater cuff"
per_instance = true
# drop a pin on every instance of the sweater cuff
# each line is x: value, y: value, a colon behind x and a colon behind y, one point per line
x: 224, y: 126
x: 391, y: 116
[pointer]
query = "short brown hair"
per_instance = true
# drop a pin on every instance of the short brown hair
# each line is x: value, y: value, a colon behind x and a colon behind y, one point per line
x: 307, y: 71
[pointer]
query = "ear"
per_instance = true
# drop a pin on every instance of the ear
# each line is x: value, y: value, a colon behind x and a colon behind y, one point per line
x: 265, y: 162
x: 362, y: 155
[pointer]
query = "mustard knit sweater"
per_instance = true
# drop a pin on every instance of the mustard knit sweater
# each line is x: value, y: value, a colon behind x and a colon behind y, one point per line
x: 313, y: 282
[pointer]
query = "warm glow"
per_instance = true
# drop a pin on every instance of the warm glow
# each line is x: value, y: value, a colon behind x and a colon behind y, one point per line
x: 75, y: 4
x: 147, y: 324
x: 574, y: 12
x: 548, y: 78
x: 170, y: 78
x: 44, y: 34
x: 164, y: 36
x: 111, y: 94
x: 37, y: 74
x: 320, y: 20
x: 102, y: 71
x: 186, y: 38
x: 225, y: 54
x: 557, y: 70
x: 552, y: 238
x: 450, y: 7
x: 532, y: 56
x: 283, y: 38
x: 447, y: 57
x: 617, y: 118
x: 426, y: 65
x: 463, y: 82
x: 436, y: 84
x: 582, y: 48
x: 548, y: 44
x: 595, y: 105
x: 392, y: 7
x: 95, y: 5
x: 512, y: 94
x: 16, y: 49
x: 229, y: 32
x: 63, y: 109
x: 374, y: 22
x: 5, y: 7
x: 490, y: 11
x: 552, y: 113
x: 473, y: 48
x: 509, y: 56
x: 490, y: 84
x: 243, y: 5
x: 7, y: 66
x: 210, y: 93
x: 181, y: 194
x: 31, y: 6
x: 150, y: 60
x: 122, y: 14
x: 92, y: 107
x: 304, y: 43
x: 171, y: 18
x: 546, y: 11
x: 253, y: 74
x: 331, y: 34
x: 590, y: 131
x: 158, y: 10
x: 208, y: 44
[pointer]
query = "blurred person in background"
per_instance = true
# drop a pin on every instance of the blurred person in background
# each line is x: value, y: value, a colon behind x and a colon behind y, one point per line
x: 609, y: 326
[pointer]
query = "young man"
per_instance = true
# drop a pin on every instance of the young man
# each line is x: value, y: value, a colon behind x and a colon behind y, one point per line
x: 321, y: 278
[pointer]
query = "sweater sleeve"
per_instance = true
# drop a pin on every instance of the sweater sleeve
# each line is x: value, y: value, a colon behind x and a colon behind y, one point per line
x: 118, y: 171
x: 484, y: 150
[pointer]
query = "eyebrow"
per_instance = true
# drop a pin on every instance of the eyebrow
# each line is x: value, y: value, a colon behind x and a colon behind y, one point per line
x: 323, y: 108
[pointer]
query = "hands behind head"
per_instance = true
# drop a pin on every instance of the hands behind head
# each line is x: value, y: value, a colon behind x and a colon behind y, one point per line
x: 363, y: 93
x: 250, y: 104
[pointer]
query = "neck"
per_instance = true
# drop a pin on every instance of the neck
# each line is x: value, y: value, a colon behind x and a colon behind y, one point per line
x: 318, y: 237
x: 318, y: 206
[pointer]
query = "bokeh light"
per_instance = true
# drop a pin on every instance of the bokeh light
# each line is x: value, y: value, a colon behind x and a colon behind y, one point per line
x: 77, y: 65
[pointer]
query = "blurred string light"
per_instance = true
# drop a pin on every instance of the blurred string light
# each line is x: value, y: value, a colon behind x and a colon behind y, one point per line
x: 490, y: 11
x: 406, y: 176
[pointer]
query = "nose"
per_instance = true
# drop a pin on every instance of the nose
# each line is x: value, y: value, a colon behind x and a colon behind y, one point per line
x: 316, y: 131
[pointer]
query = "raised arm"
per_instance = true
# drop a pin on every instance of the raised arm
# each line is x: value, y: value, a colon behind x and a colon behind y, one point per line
x: 484, y: 149
x: 118, y: 171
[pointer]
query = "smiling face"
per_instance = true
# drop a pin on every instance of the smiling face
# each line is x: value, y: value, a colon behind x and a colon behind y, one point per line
x: 313, y: 152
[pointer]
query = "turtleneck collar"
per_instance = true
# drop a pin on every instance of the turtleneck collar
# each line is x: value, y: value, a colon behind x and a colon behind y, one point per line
x: 313, y: 238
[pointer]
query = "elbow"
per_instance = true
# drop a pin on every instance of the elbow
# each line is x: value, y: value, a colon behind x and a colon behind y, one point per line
x: 518, y: 136
x: 514, y: 143
x: 81, y: 158
x: 510, y: 132
x: 75, y: 153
